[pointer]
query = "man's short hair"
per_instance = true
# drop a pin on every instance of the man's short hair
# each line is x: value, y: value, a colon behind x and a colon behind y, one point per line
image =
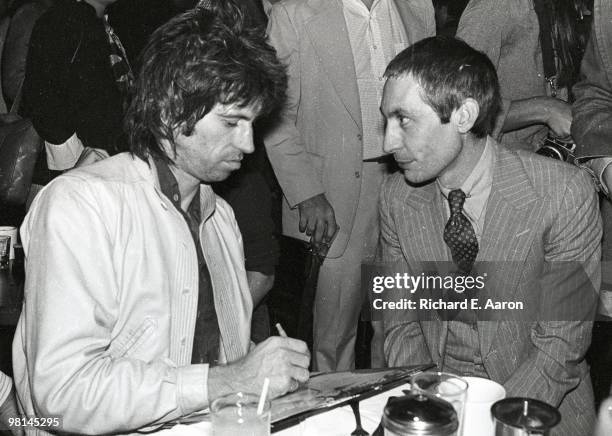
x: 196, y: 60
x: 448, y: 70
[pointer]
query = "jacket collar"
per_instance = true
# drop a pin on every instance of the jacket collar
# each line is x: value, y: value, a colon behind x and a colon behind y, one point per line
x: 511, y: 184
x: 147, y: 171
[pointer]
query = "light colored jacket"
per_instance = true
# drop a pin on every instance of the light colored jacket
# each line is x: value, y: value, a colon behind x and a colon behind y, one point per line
x: 106, y: 333
x: 316, y: 146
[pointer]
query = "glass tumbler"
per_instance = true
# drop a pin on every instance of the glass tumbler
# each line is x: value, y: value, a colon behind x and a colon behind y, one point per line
x: 443, y: 385
x: 236, y: 414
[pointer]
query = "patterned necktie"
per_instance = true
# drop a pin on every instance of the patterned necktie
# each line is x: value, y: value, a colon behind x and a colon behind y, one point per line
x: 122, y: 71
x: 459, y: 233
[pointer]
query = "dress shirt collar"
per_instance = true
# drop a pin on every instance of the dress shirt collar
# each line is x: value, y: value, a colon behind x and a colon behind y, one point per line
x: 168, y: 185
x: 357, y: 6
x: 477, y: 186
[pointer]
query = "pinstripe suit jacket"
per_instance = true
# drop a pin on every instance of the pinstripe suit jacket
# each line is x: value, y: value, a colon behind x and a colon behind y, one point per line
x: 539, y: 211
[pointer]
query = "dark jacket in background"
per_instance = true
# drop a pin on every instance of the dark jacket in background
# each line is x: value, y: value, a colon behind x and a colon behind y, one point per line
x: 69, y: 85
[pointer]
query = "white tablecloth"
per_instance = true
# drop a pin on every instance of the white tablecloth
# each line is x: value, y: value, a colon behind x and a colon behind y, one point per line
x: 339, y: 421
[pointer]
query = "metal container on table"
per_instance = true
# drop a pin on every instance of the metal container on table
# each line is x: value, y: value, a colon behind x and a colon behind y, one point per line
x: 517, y: 416
x: 418, y: 414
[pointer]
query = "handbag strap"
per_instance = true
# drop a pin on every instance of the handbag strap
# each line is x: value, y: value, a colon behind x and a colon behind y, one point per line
x: 546, y: 44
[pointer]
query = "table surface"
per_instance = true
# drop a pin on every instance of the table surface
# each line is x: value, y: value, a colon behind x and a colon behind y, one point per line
x: 339, y: 421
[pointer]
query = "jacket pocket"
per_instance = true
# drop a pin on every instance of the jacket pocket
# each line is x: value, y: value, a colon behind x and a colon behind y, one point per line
x: 129, y: 342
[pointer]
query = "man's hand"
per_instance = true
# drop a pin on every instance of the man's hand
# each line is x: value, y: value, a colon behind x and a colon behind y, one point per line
x: 283, y: 360
x: 318, y: 220
x: 559, y: 117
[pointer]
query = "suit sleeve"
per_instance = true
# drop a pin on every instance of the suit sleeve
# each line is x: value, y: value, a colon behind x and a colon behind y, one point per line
x: 592, y: 110
x: 285, y: 146
x: 404, y: 343
x: 47, y: 93
x: 559, y: 341
x: 80, y: 370
x: 482, y: 27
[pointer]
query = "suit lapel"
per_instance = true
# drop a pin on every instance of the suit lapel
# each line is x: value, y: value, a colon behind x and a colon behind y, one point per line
x: 426, y: 211
x: 329, y: 36
x: 513, y: 211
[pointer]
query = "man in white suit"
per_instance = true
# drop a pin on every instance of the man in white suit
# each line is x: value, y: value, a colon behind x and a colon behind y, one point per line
x: 326, y: 148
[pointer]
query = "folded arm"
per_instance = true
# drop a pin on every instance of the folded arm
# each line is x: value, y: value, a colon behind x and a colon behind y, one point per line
x: 484, y: 25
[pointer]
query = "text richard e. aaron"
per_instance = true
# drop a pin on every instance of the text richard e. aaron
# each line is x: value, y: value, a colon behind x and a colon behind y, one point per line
x: 451, y: 287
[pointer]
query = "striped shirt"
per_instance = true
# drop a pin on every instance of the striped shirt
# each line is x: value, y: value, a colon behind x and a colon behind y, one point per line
x: 376, y: 36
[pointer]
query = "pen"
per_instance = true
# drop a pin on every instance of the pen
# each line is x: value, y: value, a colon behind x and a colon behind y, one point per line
x: 281, y: 330
x: 283, y: 334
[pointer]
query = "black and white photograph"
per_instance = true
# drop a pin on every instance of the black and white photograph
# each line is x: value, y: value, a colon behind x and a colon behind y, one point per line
x: 306, y: 217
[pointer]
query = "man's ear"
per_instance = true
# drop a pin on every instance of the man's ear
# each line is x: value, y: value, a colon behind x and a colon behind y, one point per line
x: 465, y: 116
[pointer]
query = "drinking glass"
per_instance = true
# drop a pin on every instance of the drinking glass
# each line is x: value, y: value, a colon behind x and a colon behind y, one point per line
x: 236, y: 414
x: 443, y: 385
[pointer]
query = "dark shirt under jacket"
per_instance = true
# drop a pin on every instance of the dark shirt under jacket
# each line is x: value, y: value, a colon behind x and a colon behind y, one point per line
x: 207, y: 333
x: 69, y: 86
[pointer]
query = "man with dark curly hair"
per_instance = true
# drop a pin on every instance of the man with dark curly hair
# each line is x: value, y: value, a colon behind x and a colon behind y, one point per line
x: 138, y: 309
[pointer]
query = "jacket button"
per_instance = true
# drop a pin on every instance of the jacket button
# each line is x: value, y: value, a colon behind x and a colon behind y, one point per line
x: 359, y: 137
x: 357, y: 174
x: 186, y: 292
x: 183, y: 341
